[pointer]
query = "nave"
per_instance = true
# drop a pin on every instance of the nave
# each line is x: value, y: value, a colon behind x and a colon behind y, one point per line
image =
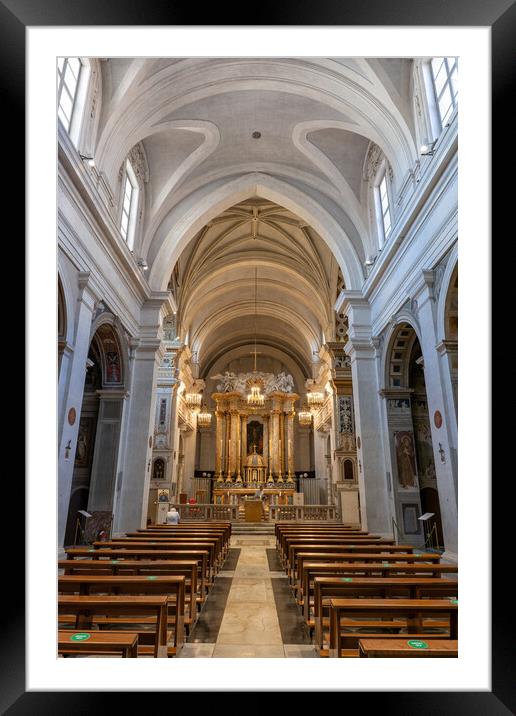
x: 299, y: 591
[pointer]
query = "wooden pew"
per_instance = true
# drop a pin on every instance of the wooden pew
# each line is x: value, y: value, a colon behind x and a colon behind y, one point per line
x: 143, y: 568
x: 114, y: 555
x: 329, y: 572
x: 186, y: 528
x: 387, y: 648
x: 94, y: 643
x: 339, y: 540
x: 372, y: 587
x: 86, y: 609
x: 154, y: 545
x: 215, y: 537
x: 415, y: 612
x: 300, y: 555
x: 171, y: 586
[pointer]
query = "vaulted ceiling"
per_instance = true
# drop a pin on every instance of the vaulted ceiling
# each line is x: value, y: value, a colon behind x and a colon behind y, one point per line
x: 222, y: 201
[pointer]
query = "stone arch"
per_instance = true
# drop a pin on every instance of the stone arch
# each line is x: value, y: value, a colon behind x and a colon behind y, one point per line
x: 204, y: 208
x: 449, y: 279
x: 400, y: 343
x: 111, y: 349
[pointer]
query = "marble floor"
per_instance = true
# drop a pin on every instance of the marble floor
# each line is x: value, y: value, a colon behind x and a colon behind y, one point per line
x: 250, y: 612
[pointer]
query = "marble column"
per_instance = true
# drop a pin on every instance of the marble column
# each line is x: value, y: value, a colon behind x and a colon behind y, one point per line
x: 374, y: 501
x: 135, y: 479
x: 443, y: 432
x: 73, y: 400
x: 243, y: 452
x: 190, y: 444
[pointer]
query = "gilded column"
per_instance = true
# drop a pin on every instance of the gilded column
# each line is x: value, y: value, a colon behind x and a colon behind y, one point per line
x: 243, y: 452
x: 266, y: 441
x: 275, y: 437
x: 219, y: 451
x: 238, y: 468
x: 290, y: 443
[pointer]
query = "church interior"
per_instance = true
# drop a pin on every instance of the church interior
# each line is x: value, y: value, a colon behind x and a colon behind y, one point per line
x: 257, y: 364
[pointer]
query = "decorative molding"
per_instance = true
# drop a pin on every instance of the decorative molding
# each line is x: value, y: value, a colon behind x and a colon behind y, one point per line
x: 138, y: 160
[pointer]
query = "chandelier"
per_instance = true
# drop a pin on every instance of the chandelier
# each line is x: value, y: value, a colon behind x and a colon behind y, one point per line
x: 315, y: 400
x: 305, y: 416
x: 255, y: 397
x: 193, y: 401
x: 204, y: 418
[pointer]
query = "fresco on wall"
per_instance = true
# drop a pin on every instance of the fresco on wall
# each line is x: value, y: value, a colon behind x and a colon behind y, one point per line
x: 85, y: 439
x: 424, y: 450
x: 405, y: 458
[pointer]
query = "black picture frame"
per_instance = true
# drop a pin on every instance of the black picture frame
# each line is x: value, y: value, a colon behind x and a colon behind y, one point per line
x: 500, y: 16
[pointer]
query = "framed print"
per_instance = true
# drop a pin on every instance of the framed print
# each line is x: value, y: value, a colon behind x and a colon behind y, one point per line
x: 274, y: 198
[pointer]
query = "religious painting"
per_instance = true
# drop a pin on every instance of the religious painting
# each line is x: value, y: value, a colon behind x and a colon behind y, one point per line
x: 158, y: 469
x: 405, y: 458
x: 255, y: 437
x: 113, y: 374
x: 424, y: 449
x: 85, y: 440
x: 163, y: 495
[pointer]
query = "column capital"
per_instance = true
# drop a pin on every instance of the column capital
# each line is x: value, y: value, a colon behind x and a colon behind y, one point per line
x: 106, y: 394
x: 447, y: 346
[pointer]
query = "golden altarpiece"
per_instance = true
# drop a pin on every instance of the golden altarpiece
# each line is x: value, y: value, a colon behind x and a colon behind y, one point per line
x: 254, y: 443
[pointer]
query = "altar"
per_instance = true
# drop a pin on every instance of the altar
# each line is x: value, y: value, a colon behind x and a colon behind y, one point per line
x: 242, y: 497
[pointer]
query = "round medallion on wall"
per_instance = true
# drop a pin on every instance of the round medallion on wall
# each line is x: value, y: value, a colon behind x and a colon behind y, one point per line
x: 358, y: 442
x: 438, y: 419
x: 71, y: 416
x: 150, y: 440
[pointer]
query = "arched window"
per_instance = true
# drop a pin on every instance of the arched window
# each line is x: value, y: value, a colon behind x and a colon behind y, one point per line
x: 444, y: 79
x: 129, y: 205
x: 72, y: 85
x: 383, y: 205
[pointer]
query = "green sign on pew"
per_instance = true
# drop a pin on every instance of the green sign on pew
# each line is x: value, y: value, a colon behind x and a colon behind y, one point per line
x: 417, y: 644
x: 81, y: 636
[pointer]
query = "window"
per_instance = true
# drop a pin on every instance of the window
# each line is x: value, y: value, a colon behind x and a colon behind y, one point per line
x: 68, y: 73
x: 384, y: 206
x: 445, y: 75
x: 129, y: 206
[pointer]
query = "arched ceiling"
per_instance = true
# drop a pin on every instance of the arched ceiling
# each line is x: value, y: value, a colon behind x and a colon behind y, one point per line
x: 195, y: 118
x: 220, y: 203
x: 256, y: 269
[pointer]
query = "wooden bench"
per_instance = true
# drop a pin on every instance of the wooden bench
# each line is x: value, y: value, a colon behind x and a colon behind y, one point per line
x: 413, y: 612
x: 300, y: 555
x: 95, y: 643
x: 339, y: 540
x: 110, y: 555
x: 386, y: 648
x: 171, y: 586
x: 178, y: 530
x: 143, y: 568
x: 335, y: 571
x: 386, y: 587
x: 155, y: 545
x: 85, y: 609
x: 215, y: 537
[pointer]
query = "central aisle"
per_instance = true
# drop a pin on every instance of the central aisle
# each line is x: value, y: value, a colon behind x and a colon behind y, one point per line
x: 250, y: 626
x: 259, y: 618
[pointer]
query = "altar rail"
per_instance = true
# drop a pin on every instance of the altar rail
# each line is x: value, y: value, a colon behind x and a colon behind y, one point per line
x: 277, y: 513
x: 205, y: 513
x: 304, y: 513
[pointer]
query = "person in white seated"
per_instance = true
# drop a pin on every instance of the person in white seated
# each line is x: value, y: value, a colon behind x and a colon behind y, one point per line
x: 173, y: 517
